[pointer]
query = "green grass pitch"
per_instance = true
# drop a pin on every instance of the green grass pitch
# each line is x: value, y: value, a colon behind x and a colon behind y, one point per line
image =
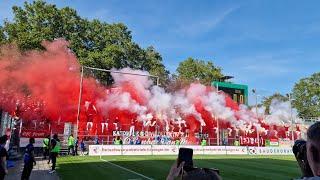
x: 157, y: 167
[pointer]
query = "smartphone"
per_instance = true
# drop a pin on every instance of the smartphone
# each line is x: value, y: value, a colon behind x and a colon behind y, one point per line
x: 185, y: 154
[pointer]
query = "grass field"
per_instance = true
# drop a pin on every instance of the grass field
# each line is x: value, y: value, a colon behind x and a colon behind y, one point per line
x: 157, y: 167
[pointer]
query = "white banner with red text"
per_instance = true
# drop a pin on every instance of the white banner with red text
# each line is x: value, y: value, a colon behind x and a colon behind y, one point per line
x: 97, y: 150
x: 38, y: 136
x: 25, y: 141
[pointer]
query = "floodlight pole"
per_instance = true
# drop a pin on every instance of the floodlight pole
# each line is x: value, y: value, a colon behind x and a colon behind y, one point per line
x: 291, y: 118
x: 217, y: 120
x: 256, y: 96
x: 79, y: 102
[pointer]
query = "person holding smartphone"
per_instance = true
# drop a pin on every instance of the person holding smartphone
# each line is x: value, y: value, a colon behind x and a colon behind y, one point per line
x: 175, y: 170
x: 184, y: 168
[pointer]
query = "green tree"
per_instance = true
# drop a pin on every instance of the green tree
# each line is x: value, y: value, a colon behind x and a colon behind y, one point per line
x: 39, y: 21
x: 306, y: 93
x: 95, y: 43
x: 155, y: 65
x: 266, y: 102
x: 2, y: 37
x: 191, y: 70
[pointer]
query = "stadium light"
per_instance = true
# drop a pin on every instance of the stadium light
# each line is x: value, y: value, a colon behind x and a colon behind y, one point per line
x: 79, y: 102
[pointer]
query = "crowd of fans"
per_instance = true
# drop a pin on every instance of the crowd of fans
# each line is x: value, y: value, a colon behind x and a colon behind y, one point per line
x: 309, y: 164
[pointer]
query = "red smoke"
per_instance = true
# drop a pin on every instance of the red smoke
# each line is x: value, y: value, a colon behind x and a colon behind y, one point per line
x: 43, y: 85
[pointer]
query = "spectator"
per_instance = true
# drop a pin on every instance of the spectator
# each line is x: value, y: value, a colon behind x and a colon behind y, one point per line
x: 46, y: 147
x: 158, y: 139
x: 96, y: 140
x: 71, y: 144
x: 165, y: 139
x: 55, y: 149
x: 195, y: 174
x: 138, y: 141
x: 131, y: 142
x: 29, y: 160
x: 7, y: 144
x: 3, y: 157
x: 117, y: 141
x: 236, y: 141
x: 177, y: 142
x: 50, y: 148
x: 132, y: 126
x: 203, y: 142
x: 313, y: 148
x: 76, y: 146
x: 82, y: 148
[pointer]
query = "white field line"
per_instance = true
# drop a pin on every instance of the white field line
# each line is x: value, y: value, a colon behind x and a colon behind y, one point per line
x: 127, y: 169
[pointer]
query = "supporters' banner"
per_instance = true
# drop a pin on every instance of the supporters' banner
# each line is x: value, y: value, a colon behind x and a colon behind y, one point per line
x: 34, y: 133
x: 270, y: 151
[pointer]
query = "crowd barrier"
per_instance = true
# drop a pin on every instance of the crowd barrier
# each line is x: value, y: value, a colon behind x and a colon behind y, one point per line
x: 103, y: 150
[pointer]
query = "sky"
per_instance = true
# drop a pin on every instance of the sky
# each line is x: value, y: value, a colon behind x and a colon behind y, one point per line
x: 268, y: 45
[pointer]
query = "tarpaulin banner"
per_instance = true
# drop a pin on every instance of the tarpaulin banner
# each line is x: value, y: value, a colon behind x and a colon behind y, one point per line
x: 96, y: 150
x: 34, y: 133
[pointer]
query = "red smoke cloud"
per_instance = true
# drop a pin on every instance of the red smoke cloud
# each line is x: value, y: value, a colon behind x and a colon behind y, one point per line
x: 42, y: 85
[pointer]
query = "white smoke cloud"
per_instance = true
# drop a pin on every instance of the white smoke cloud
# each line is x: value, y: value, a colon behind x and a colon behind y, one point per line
x: 160, y: 101
x: 281, y: 113
x: 216, y: 104
x: 140, y: 81
x: 165, y: 107
x: 121, y: 101
x: 185, y: 106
